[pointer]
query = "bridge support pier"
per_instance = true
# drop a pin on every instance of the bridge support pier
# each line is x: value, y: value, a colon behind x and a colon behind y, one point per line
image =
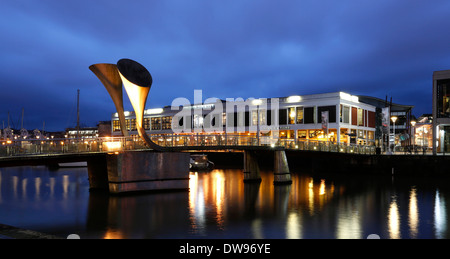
x: 134, y: 171
x: 281, y: 172
x: 251, y: 167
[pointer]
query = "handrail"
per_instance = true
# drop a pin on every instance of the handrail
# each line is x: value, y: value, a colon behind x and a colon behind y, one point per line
x: 101, y: 144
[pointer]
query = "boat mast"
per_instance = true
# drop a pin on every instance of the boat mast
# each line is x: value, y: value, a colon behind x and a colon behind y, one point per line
x: 78, y: 115
x: 21, y: 126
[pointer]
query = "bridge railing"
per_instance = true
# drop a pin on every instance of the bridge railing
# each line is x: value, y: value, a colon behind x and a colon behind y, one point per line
x: 112, y: 144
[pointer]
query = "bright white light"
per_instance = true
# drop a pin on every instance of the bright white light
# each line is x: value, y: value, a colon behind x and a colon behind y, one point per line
x: 257, y: 102
x: 294, y: 99
x: 349, y: 97
x: 154, y: 111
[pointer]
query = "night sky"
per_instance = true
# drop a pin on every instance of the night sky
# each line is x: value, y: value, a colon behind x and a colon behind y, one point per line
x: 228, y: 49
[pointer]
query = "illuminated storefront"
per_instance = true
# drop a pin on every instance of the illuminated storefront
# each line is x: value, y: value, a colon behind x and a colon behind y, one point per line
x: 336, y: 117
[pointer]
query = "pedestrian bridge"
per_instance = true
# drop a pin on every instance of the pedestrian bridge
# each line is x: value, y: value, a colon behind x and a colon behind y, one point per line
x: 123, y: 164
x: 186, y: 142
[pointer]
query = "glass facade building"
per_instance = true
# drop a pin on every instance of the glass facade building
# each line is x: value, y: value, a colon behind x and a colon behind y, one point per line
x: 441, y: 112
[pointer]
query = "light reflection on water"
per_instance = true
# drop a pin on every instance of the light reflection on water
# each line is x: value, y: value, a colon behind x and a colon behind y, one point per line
x: 220, y: 205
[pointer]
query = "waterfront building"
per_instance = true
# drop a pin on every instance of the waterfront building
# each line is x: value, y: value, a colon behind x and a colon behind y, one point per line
x: 83, y: 132
x: 441, y: 111
x: 400, y: 131
x: 336, y: 117
x: 423, y: 137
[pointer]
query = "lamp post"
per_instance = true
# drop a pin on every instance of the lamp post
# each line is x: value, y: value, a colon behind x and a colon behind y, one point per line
x: 413, y: 133
x: 257, y: 103
x: 394, y: 119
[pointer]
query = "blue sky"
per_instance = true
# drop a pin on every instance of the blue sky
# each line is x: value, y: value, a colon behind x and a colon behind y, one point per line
x: 228, y: 49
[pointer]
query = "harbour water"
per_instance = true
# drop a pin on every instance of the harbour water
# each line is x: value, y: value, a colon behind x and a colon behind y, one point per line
x: 219, y: 205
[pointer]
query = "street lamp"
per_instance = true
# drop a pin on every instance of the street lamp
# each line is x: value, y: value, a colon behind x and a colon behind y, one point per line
x: 257, y: 103
x: 394, y: 119
x: 413, y: 123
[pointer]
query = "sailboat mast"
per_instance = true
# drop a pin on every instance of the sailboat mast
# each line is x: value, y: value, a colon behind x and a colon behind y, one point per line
x: 21, y: 126
x: 78, y: 115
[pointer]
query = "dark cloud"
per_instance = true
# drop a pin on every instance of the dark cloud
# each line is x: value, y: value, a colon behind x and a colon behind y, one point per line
x: 226, y: 48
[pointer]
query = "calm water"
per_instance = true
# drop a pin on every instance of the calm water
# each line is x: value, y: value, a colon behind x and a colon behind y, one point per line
x: 220, y: 205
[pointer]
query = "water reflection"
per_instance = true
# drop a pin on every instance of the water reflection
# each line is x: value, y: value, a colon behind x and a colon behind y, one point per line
x: 222, y: 196
x: 440, y: 216
x: 394, y: 219
x: 220, y: 205
x: 413, y: 213
x: 38, y: 198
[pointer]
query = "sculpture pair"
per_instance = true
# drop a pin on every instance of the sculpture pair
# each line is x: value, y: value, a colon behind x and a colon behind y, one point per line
x: 137, y: 82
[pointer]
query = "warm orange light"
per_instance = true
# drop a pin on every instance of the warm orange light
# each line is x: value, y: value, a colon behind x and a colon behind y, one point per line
x: 112, y: 146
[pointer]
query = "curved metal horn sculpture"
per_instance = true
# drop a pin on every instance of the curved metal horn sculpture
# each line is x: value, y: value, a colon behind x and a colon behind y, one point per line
x: 137, y: 82
x: 110, y: 78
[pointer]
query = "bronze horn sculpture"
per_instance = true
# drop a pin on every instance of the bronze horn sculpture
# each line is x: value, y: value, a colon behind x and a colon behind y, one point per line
x: 110, y: 78
x: 137, y: 82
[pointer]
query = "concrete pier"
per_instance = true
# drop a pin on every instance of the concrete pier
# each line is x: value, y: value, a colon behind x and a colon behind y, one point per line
x: 281, y: 172
x: 251, y: 167
x: 134, y: 171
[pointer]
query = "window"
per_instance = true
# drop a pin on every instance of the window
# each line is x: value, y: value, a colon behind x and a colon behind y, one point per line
x: 263, y: 117
x: 331, y: 113
x: 299, y: 115
x: 254, y: 118
x: 116, y: 125
x: 292, y: 115
x: 360, y: 117
x: 156, y: 123
x: 167, y: 123
x: 282, y: 116
x: 354, y: 116
x: 443, y: 98
x: 301, y: 134
x: 345, y: 114
x: 231, y: 119
x: 147, y: 123
x: 372, y: 118
x: 198, y: 121
x: 309, y: 115
x: 133, y: 124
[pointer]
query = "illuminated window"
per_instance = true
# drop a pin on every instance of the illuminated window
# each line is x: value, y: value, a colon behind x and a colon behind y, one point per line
x: 301, y: 134
x: 116, y: 125
x: 292, y: 115
x: 254, y: 118
x: 443, y: 98
x: 146, y: 123
x: 263, y: 117
x: 133, y: 124
x: 156, y: 123
x: 299, y: 115
x: 198, y: 121
x: 167, y: 123
x: 360, y: 117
